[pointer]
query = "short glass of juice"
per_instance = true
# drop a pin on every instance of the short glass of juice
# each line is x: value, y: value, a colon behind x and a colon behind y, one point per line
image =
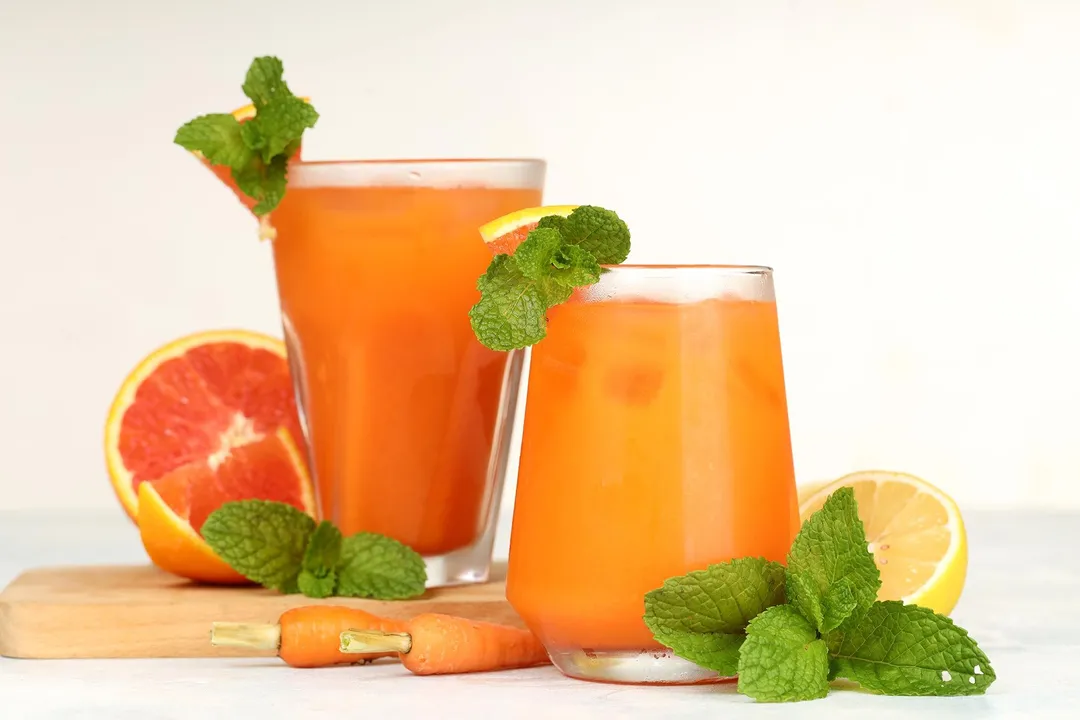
x: 655, y: 443
x: 406, y: 415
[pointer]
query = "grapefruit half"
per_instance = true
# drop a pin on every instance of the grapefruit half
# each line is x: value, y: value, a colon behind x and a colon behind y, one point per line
x: 504, y: 234
x: 204, y: 420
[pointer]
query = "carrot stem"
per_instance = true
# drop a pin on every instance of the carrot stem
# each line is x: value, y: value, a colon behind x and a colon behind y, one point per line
x: 254, y: 636
x: 374, y: 641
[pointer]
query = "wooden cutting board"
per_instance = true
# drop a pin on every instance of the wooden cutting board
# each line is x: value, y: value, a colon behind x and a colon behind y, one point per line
x: 142, y: 612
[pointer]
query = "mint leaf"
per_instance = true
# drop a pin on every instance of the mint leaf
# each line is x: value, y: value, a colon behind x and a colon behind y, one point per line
x: 573, y: 266
x: 782, y: 659
x: 838, y: 604
x: 558, y: 255
x: 701, y: 616
x: 831, y: 550
x: 512, y: 312
x: 324, y: 548
x: 803, y: 594
x: 543, y: 255
x: 263, y: 183
x: 535, y: 255
x: 722, y: 598
x: 277, y: 126
x: 316, y: 586
x: 899, y: 649
x: 375, y: 566
x: 264, y: 81
x: 217, y: 137
x: 557, y: 222
x: 262, y: 540
x: 715, y: 651
x: 317, y: 575
x: 600, y: 232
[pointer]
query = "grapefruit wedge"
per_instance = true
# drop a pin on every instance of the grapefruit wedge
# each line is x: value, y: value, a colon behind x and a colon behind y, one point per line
x: 223, y: 173
x: 504, y: 234
x: 204, y: 420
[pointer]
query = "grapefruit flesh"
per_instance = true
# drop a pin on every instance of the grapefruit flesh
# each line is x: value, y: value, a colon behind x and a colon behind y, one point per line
x: 197, y: 402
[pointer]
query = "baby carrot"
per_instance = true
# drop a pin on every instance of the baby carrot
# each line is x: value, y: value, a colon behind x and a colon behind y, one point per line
x: 435, y: 644
x: 306, y: 637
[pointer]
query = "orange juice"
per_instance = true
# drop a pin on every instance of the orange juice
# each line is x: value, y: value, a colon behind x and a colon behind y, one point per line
x: 656, y: 442
x: 402, y: 404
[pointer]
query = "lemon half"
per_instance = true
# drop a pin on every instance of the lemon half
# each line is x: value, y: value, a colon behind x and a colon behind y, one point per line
x: 914, y: 530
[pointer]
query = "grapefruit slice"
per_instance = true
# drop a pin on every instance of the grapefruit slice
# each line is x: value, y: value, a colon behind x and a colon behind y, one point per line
x: 191, y: 409
x: 914, y: 530
x: 504, y: 234
x: 223, y: 173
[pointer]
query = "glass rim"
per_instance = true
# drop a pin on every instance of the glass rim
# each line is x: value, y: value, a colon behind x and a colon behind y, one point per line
x: 299, y: 163
x: 495, y: 172
x: 690, y: 267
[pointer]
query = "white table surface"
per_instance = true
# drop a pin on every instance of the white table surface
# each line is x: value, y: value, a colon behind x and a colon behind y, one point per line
x: 1022, y: 603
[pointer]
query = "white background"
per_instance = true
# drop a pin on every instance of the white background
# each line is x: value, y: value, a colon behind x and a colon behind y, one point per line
x: 911, y: 169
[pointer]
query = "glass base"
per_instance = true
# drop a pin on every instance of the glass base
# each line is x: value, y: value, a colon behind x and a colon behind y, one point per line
x: 466, y: 566
x: 644, y: 667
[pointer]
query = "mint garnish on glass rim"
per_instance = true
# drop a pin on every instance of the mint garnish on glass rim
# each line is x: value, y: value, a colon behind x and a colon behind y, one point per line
x: 560, y: 254
x: 256, y: 151
x: 787, y: 633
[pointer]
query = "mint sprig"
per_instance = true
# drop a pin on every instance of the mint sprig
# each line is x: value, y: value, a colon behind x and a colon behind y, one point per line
x: 558, y: 255
x: 732, y: 617
x: 278, y: 546
x: 257, y: 151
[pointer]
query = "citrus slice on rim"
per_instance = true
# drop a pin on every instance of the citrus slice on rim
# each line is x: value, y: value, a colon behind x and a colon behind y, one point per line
x: 914, y: 530
x: 224, y: 174
x: 504, y: 234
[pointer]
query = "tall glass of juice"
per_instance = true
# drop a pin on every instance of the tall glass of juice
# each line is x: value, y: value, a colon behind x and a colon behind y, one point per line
x: 655, y: 443
x: 406, y: 415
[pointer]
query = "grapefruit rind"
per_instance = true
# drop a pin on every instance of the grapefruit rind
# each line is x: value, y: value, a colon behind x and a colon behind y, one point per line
x: 174, y: 546
x: 510, y: 222
x: 942, y: 589
x: 119, y: 475
x: 307, y: 492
